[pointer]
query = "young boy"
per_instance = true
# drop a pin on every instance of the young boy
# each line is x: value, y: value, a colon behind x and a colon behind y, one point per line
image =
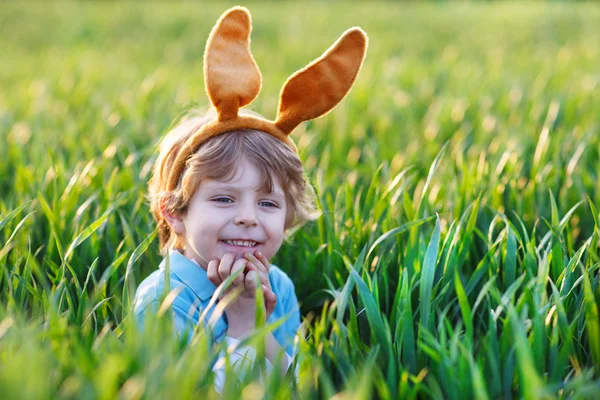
x: 226, y: 187
x: 229, y: 213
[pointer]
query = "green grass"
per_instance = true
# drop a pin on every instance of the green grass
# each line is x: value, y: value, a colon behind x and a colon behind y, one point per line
x: 457, y: 255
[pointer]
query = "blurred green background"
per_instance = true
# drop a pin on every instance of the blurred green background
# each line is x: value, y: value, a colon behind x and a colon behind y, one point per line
x: 506, y: 95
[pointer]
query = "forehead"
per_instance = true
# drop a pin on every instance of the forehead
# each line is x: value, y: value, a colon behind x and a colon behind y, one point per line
x: 247, y: 177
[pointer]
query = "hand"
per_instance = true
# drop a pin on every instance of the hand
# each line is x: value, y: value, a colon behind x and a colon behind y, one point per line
x: 241, y: 312
x: 259, y: 263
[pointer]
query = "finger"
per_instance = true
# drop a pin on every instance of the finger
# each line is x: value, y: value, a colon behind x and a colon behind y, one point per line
x: 264, y: 260
x: 225, y: 266
x: 239, y: 265
x: 264, y: 278
x: 250, y: 282
x: 260, y: 267
x: 252, y: 258
x: 212, y: 273
x: 256, y: 261
x: 270, y: 300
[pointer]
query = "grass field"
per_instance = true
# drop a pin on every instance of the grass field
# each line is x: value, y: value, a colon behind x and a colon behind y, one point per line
x: 458, y: 252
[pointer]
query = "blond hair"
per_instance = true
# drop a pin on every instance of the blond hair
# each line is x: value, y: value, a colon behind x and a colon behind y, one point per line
x: 218, y: 159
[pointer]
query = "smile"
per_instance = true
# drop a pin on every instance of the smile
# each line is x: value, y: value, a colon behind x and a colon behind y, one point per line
x: 241, y: 243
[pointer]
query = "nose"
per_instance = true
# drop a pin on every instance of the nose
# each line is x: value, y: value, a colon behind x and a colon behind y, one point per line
x: 246, y: 216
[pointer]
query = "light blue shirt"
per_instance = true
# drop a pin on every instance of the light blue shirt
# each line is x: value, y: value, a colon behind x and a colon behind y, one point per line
x: 195, y: 292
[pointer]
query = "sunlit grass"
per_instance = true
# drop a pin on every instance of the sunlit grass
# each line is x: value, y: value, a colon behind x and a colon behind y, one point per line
x: 457, y: 255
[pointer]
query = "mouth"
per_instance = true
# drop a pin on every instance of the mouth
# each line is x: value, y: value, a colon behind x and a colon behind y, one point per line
x: 241, y: 244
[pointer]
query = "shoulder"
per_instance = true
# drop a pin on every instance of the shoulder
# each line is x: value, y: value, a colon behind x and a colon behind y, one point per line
x: 148, y: 291
x: 152, y: 290
x: 280, y: 282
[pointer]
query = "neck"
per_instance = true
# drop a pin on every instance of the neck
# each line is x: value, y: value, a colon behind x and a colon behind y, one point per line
x: 195, y: 258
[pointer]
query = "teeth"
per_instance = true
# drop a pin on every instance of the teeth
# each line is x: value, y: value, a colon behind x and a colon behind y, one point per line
x: 243, y: 243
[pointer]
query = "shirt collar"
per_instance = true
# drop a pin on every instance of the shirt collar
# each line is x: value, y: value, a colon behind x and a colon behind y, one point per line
x: 190, y: 273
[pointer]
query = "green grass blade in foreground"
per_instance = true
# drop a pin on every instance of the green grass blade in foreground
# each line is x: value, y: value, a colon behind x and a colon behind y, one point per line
x: 530, y: 382
x: 87, y: 232
x: 397, y: 231
x: 510, y: 257
x: 380, y: 330
x: 5, y: 219
x: 432, y: 171
x: 128, y: 285
x: 404, y: 333
x: 427, y: 274
x: 465, y: 309
x: 592, y: 318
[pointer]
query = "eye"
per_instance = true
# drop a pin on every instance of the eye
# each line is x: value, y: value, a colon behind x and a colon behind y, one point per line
x: 267, y: 203
x: 225, y: 200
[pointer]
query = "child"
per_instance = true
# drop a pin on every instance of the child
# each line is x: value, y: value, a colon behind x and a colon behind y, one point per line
x: 227, y: 186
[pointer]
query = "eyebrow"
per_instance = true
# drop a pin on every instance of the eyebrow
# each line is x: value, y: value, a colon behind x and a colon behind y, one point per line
x: 235, y: 189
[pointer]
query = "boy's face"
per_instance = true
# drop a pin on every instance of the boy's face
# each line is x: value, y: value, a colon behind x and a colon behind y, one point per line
x: 234, y: 217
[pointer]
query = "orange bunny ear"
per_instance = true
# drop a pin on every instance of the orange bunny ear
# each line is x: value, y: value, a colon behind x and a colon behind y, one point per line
x: 231, y: 75
x: 317, y: 88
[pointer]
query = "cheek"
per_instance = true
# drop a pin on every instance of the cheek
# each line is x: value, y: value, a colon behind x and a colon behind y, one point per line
x: 277, y: 231
x: 203, y: 224
x: 277, y: 221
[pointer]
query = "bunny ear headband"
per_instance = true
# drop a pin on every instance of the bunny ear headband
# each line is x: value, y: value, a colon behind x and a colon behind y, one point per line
x: 233, y: 80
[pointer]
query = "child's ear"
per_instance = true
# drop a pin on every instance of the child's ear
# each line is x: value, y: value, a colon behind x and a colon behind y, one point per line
x: 174, y: 219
